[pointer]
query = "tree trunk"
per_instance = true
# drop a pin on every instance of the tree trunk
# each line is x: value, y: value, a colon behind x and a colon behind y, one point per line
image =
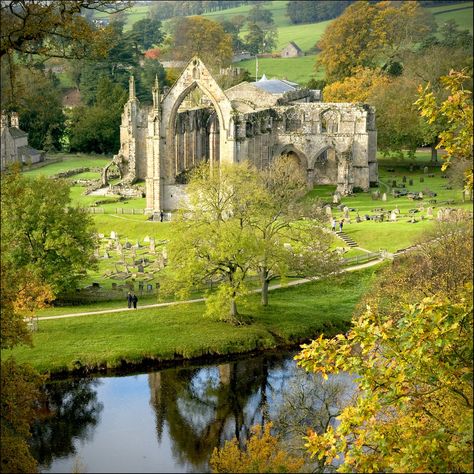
x: 434, y: 154
x: 233, y: 308
x: 264, y: 299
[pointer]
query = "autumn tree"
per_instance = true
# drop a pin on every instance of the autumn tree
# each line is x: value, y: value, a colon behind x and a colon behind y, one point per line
x: 456, y: 138
x: 371, y: 35
x: 261, y: 453
x: 54, y: 29
x: 411, y: 349
x: 46, y: 235
x: 202, y: 37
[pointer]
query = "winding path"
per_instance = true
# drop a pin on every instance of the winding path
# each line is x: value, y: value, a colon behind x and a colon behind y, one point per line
x: 198, y: 300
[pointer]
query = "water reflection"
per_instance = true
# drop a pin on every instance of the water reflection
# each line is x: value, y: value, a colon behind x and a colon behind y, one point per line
x: 171, y: 420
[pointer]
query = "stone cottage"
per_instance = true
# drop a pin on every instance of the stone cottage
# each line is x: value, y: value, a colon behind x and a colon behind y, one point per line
x: 334, y: 143
x: 291, y: 50
x: 14, y: 143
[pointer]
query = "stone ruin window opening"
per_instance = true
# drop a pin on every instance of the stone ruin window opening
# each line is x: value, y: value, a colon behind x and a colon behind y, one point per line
x: 329, y: 122
x: 197, y: 132
x: 292, y: 122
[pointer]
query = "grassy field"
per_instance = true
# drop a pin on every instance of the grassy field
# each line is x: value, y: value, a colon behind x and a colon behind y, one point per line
x: 461, y: 13
x: 295, y: 314
x: 298, y: 70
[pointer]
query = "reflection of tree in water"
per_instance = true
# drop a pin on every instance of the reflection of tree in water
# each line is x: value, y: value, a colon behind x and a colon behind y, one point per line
x: 69, y: 411
x: 203, y: 407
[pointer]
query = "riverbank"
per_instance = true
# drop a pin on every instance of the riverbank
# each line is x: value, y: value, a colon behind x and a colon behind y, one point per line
x: 157, y: 336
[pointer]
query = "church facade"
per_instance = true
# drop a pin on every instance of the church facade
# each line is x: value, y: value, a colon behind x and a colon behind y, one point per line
x: 196, y: 121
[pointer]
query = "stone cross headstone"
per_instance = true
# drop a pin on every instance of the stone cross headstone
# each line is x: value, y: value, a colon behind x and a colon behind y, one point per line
x: 152, y: 245
x: 429, y: 212
x: 425, y: 169
x: 346, y: 212
x: 384, y: 196
x: 393, y: 216
x: 113, y: 235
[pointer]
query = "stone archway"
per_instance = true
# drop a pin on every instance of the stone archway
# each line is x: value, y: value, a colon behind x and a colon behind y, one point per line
x: 195, y: 75
x: 296, y: 156
x: 325, y: 166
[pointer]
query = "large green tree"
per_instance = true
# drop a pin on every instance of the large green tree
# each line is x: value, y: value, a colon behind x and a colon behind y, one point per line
x: 46, y: 235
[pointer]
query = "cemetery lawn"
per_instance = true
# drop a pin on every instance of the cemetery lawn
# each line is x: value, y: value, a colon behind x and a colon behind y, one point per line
x: 294, y: 315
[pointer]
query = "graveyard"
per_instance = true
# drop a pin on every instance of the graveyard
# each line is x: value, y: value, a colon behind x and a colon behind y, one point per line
x: 412, y: 196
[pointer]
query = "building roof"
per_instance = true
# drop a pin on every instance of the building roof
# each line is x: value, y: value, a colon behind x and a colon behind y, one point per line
x: 16, y: 132
x: 275, y: 86
x: 28, y: 150
x: 292, y: 43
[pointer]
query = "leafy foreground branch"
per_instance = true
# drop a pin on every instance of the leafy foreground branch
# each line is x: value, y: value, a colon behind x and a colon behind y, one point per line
x: 413, y: 357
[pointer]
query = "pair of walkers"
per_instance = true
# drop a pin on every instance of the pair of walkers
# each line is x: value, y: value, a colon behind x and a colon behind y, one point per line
x: 334, y: 223
x: 132, y: 300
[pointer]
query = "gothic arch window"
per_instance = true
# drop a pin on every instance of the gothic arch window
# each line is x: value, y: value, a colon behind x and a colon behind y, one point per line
x: 329, y: 122
x: 292, y: 121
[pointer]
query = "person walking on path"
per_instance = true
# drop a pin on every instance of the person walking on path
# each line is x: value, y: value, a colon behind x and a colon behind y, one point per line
x: 333, y: 224
x: 134, y: 301
x: 129, y: 299
x: 341, y: 224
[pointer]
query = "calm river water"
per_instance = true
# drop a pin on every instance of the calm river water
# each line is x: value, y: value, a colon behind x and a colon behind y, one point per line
x: 171, y: 420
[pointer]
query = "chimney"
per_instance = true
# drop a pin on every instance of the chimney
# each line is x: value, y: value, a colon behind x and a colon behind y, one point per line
x: 14, y: 120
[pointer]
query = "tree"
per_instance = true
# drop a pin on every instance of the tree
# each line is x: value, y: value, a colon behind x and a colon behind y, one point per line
x: 217, y: 244
x: 456, y: 138
x: 54, y: 29
x: 259, y: 40
x: 97, y: 128
x: 39, y: 107
x: 411, y: 349
x: 262, y: 453
x: 288, y: 246
x: 46, y: 235
x: 304, y: 11
x: 202, y: 37
x: 371, y: 35
x: 146, y: 33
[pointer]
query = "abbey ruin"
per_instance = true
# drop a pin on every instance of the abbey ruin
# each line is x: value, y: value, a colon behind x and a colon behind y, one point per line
x: 196, y: 121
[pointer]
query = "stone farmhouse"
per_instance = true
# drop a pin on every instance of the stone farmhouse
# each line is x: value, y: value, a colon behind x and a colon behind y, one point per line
x: 197, y: 121
x: 14, y: 144
x: 291, y: 50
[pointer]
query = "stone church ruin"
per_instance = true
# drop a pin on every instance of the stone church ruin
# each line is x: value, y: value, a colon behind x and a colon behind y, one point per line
x: 196, y: 121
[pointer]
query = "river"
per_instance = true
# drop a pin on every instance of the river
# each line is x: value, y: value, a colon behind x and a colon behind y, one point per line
x: 170, y: 420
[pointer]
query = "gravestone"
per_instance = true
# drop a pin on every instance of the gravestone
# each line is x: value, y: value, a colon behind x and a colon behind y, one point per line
x: 439, y: 215
x: 134, y: 252
x: 119, y: 246
x: 429, y: 212
x: 420, y: 195
x: 149, y: 287
x: 106, y: 254
x: 404, y: 179
x: 396, y: 210
x: 146, y: 239
x: 384, y: 196
x: 113, y: 235
x: 140, y: 286
x: 328, y: 210
x: 140, y: 268
x: 422, y: 180
x: 411, y: 168
x: 152, y: 245
x: 336, y: 198
x: 425, y: 170
x: 101, y: 236
x: 410, y: 182
x: 137, y: 245
x: 346, y: 212
x: 127, y: 245
x: 393, y: 216
x: 394, y: 184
